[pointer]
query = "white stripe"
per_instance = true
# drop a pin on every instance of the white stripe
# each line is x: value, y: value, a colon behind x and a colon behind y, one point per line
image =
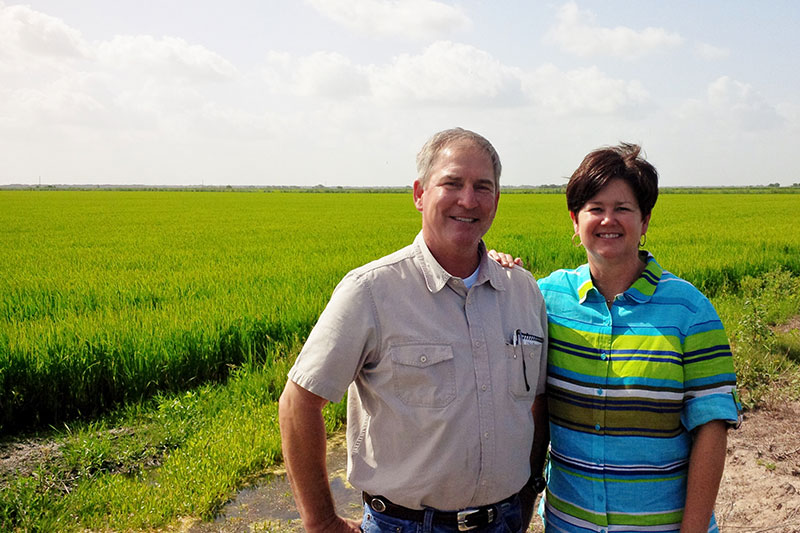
x: 665, y: 527
x: 722, y: 389
x: 588, y: 464
x: 615, y: 393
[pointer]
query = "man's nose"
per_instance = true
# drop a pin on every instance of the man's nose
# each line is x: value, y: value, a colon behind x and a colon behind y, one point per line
x: 467, y: 198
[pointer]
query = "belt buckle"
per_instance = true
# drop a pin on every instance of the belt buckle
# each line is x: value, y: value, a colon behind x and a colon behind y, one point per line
x: 466, y: 514
x: 377, y: 505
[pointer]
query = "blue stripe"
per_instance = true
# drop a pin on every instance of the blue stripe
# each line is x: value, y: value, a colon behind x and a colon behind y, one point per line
x: 575, y: 349
x: 719, y: 347
x: 620, y: 470
x: 605, y: 429
x: 618, y: 383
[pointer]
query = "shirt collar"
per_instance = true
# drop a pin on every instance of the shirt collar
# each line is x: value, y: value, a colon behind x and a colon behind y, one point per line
x: 640, y: 291
x: 437, y: 277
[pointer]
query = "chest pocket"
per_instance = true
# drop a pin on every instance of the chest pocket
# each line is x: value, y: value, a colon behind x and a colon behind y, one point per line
x: 424, y: 375
x: 523, y: 369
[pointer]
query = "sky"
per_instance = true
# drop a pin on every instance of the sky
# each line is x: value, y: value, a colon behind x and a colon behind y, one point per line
x: 345, y: 92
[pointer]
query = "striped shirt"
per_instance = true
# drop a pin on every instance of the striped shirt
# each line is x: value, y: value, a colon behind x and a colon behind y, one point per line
x: 626, y: 386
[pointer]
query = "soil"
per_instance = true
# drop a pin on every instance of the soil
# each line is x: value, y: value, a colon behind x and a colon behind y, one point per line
x: 760, y: 490
x: 759, y: 493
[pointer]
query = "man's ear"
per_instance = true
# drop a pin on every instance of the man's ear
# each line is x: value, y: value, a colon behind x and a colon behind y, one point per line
x: 418, y: 191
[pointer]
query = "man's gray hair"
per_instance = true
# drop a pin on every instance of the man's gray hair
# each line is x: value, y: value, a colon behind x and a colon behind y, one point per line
x: 427, y: 155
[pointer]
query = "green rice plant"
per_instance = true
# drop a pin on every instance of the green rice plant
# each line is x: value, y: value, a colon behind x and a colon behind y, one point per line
x: 108, y: 297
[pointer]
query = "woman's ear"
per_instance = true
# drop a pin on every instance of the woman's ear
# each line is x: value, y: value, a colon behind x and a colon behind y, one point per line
x: 645, y: 224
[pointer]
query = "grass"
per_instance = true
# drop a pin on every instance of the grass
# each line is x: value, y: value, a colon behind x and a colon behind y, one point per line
x: 153, y: 330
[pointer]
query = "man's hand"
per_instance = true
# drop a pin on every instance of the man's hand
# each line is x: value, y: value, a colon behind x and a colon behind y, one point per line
x: 304, y: 447
x: 506, y: 260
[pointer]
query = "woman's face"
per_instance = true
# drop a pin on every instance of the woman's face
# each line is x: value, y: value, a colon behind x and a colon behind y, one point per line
x: 610, y: 224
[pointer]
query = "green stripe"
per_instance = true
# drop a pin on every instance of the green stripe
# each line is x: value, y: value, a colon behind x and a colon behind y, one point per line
x: 567, y: 508
x: 615, y: 480
x: 655, y: 519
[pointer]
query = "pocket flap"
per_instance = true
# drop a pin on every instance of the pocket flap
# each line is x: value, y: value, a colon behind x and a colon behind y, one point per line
x: 421, y: 355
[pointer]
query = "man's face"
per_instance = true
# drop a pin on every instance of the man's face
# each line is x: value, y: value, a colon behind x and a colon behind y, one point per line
x: 459, y: 201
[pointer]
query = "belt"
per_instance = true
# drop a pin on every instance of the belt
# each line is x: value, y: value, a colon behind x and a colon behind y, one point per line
x: 464, y: 520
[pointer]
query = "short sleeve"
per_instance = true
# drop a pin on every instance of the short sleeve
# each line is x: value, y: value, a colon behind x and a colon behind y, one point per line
x: 344, y: 337
x: 709, y: 377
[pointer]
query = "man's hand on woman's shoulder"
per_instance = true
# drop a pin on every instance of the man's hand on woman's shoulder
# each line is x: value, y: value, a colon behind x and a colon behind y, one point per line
x: 506, y: 260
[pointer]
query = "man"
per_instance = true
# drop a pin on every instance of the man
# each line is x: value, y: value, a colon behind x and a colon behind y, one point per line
x: 443, y: 353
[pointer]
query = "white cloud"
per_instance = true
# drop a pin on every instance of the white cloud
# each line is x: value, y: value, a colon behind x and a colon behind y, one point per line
x: 741, y: 103
x: 414, y: 19
x: 446, y: 73
x: 583, y: 91
x: 710, y: 52
x: 330, y: 75
x: 577, y: 33
x: 30, y: 34
x: 168, y: 57
x: 734, y: 105
x: 327, y: 75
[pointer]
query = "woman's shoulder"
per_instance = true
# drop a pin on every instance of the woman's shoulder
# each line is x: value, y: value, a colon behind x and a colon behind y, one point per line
x: 564, y: 280
x: 676, y: 285
x: 674, y: 290
x: 563, y: 276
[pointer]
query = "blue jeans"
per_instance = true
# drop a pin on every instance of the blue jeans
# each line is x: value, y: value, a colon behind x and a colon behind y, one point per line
x: 509, y: 520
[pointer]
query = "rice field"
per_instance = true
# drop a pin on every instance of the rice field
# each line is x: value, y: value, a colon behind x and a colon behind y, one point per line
x: 107, y: 297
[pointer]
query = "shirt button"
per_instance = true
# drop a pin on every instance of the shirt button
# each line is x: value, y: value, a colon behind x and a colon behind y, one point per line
x: 423, y: 358
x: 597, y: 427
x: 599, y: 392
x: 477, y: 344
x: 483, y: 388
x: 486, y: 435
x: 603, y: 356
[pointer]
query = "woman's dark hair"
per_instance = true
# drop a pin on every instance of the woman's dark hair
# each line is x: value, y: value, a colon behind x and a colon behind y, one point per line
x: 614, y: 162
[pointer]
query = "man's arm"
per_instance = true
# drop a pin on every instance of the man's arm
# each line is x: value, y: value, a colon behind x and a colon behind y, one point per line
x: 706, y: 463
x: 304, y: 450
x: 541, y: 438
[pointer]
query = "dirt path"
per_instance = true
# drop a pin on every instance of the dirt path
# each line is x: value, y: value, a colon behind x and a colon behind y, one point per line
x: 760, y: 489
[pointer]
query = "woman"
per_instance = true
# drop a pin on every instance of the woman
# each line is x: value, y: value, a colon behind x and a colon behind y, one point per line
x: 641, y: 386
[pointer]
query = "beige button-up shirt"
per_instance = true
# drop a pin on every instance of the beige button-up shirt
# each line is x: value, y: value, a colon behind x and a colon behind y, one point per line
x: 440, y: 387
